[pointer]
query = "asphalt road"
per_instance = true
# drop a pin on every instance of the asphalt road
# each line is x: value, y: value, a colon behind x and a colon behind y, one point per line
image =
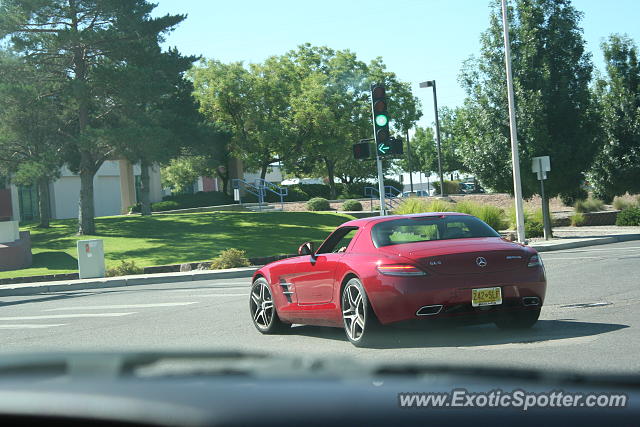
x: 590, y: 322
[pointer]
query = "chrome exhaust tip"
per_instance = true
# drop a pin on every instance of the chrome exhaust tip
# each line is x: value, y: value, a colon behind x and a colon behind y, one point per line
x: 529, y: 301
x: 429, y: 310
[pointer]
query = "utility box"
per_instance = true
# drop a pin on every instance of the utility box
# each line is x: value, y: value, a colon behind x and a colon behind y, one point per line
x: 90, y: 258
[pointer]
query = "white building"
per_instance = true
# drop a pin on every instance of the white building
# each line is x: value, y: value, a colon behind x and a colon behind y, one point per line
x: 116, y: 186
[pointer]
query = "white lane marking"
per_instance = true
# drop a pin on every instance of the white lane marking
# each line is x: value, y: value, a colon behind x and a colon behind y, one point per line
x: 121, y: 306
x: 577, y: 257
x: 224, y: 295
x: 26, y: 326
x: 205, y: 289
x: 65, y: 316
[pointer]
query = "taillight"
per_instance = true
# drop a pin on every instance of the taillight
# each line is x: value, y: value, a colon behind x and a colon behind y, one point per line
x: 534, y: 261
x: 400, y: 270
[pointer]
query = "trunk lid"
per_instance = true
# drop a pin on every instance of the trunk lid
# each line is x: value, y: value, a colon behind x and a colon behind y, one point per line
x: 464, y: 256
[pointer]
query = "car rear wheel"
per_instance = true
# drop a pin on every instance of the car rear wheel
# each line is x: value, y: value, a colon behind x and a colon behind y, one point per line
x: 518, y: 320
x: 263, y: 312
x: 360, y: 323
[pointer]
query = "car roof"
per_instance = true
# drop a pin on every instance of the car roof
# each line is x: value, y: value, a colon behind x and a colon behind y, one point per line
x: 361, y: 222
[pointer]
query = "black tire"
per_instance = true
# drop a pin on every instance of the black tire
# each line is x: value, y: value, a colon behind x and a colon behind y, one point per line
x: 360, y: 323
x: 524, y: 319
x: 263, y: 311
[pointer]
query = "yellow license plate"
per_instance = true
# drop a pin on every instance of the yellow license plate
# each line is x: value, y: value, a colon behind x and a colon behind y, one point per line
x: 486, y: 296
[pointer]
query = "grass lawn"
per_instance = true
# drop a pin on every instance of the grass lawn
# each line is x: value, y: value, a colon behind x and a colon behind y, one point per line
x: 171, y: 239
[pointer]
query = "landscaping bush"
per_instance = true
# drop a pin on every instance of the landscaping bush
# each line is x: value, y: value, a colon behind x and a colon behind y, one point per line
x: 588, y: 205
x: 450, y: 187
x: 200, y: 199
x: 352, y: 205
x: 621, y: 204
x: 318, y: 204
x: 569, y: 199
x: 533, y: 224
x: 412, y: 205
x: 577, y: 219
x: 630, y: 216
x: 533, y: 229
x: 126, y: 268
x: 492, y: 215
x: 230, y: 258
x: 168, y: 205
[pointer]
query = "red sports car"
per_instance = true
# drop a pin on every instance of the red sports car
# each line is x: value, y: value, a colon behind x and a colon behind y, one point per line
x: 382, y: 270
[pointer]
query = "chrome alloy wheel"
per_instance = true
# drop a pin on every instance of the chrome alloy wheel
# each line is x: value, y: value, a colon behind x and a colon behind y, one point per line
x: 353, y: 312
x: 262, y: 305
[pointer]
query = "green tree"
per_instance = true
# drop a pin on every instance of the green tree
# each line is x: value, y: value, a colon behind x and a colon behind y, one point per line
x: 94, y: 49
x: 555, y: 112
x: 425, y: 153
x: 253, y: 103
x: 30, y: 129
x: 616, y: 168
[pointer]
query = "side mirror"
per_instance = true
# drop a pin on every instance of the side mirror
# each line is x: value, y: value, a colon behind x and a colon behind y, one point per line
x: 306, y: 249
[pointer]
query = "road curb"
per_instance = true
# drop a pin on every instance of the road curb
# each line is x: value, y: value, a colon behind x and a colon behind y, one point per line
x: 595, y: 241
x: 26, y: 289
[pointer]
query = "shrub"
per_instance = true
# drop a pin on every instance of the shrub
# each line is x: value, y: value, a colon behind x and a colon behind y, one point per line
x: 589, y: 205
x: 450, y: 187
x: 200, y: 199
x: 577, y: 219
x: 492, y: 215
x: 168, y: 205
x: 621, y: 204
x: 352, y: 205
x: 569, y: 199
x: 533, y: 224
x: 126, y: 268
x: 533, y: 229
x: 630, y: 216
x: 230, y: 258
x: 318, y: 204
x: 440, y: 206
x: 412, y: 205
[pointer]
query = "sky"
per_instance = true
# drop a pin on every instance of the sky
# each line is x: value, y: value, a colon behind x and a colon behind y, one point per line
x: 418, y: 39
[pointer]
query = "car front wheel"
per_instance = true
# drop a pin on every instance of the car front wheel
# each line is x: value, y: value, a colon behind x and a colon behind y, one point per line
x: 263, y: 312
x: 360, y: 323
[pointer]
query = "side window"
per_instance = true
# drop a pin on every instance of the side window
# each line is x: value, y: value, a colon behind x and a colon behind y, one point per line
x: 338, y: 241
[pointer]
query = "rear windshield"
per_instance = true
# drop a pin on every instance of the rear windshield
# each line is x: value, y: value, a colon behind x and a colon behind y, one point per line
x: 426, y: 228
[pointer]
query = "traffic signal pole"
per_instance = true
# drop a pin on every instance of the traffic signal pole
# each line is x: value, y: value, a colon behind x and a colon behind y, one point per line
x: 383, y: 208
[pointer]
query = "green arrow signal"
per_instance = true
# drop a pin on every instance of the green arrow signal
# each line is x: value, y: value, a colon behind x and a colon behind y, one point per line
x: 383, y: 148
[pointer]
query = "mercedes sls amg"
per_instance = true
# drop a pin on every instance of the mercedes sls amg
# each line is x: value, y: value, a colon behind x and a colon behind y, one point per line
x: 382, y: 270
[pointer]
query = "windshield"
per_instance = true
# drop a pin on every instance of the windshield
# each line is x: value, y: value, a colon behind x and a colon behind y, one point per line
x: 423, y: 229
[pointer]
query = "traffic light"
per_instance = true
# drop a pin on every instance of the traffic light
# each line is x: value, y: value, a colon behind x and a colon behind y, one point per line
x: 395, y: 145
x: 361, y: 150
x: 380, y: 118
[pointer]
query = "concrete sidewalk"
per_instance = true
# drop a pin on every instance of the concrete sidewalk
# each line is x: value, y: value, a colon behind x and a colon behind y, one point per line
x: 565, y: 238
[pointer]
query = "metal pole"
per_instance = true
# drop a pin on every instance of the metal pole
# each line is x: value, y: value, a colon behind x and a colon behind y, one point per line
x: 383, y: 210
x: 435, y: 107
x: 515, y: 158
x: 409, y: 161
x: 545, y: 206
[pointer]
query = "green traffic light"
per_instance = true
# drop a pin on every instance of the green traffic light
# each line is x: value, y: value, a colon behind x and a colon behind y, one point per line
x: 381, y: 120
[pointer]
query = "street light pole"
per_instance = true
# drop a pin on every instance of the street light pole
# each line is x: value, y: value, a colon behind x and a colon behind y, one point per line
x: 515, y: 158
x: 409, y: 161
x: 432, y: 83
